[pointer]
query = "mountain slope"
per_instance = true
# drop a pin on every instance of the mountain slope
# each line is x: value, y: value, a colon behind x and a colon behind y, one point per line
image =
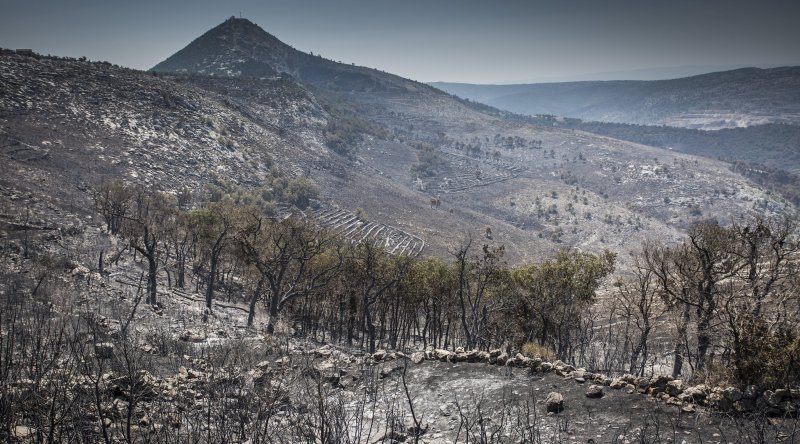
x: 69, y: 125
x: 736, y: 98
x: 420, y: 165
x: 238, y: 47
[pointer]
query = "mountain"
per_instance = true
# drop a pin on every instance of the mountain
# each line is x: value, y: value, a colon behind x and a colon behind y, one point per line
x: 742, y: 97
x: 238, y: 47
x: 373, y: 144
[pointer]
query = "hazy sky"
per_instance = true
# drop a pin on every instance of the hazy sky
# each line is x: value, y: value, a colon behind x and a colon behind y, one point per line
x: 488, y: 41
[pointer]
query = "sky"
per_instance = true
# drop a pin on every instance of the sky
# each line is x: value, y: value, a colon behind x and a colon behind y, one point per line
x: 488, y: 41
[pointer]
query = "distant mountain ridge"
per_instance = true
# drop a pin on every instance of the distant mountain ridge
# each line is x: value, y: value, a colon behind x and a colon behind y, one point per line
x: 727, y: 99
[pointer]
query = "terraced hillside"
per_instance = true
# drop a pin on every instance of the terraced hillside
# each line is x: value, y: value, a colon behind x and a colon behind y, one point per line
x: 358, y: 229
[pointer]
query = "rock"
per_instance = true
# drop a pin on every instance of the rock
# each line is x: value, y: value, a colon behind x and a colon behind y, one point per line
x: 190, y: 336
x: 483, y: 357
x: 578, y: 374
x: 616, y: 384
x: 459, y: 349
x: 716, y: 400
x: 580, y: 380
x: 595, y: 391
x: 674, y: 401
x: 674, y: 387
x: 263, y: 365
x: 345, y: 381
x: 22, y: 432
x: 554, y: 402
x: 80, y: 270
x: 630, y: 388
x: 324, y: 351
x: 545, y: 367
x: 495, y: 353
x: 447, y: 409
x: 658, y: 384
x: 642, y: 384
x: 325, y: 366
x: 501, y: 360
x: 379, y: 355
x: 694, y: 394
x: 688, y: 408
x: 442, y: 355
x: 387, y: 371
x: 390, y: 436
x: 628, y: 378
x: 418, y: 357
x: 104, y: 350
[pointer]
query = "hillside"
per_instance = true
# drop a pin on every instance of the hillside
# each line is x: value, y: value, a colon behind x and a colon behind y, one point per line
x: 538, y: 189
x: 238, y: 47
x: 728, y: 99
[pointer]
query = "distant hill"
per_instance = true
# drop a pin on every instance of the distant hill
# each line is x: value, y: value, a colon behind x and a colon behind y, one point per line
x: 239, y: 47
x: 728, y: 99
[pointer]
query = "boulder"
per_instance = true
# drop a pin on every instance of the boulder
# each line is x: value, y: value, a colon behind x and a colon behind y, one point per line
x: 554, y: 402
x: 22, y: 432
x: 442, y: 355
x: 616, y: 384
x: 628, y: 378
x: 674, y: 387
x: 694, y: 394
x: 388, y: 371
x: 447, y: 409
x: 733, y: 394
x: 642, y: 384
x: 190, y: 336
x: 594, y: 391
x: 658, y: 384
x: 379, y: 355
x: 501, y: 360
x: 418, y: 357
